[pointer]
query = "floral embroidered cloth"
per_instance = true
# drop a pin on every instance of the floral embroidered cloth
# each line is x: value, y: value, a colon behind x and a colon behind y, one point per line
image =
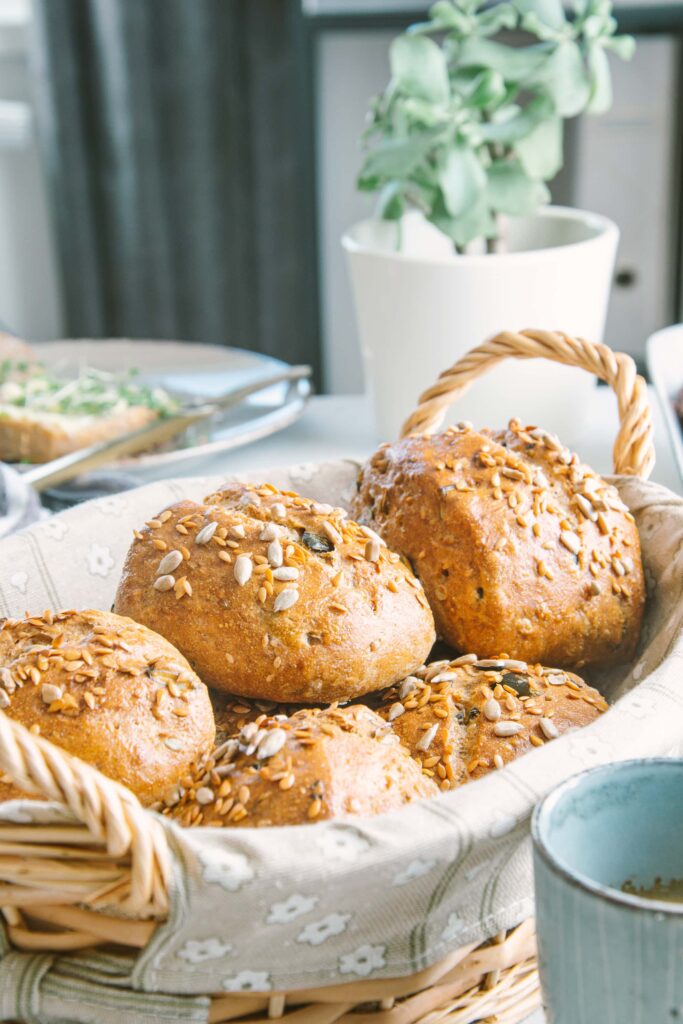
x: 289, y: 908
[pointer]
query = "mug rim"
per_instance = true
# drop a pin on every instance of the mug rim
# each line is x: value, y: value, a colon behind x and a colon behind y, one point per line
x: 578, y: 879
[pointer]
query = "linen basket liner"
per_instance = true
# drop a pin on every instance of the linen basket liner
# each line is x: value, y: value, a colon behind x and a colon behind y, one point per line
x: 318, y: 905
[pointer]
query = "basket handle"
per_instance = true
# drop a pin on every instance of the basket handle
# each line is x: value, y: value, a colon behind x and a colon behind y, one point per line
x: 111, y: 813
x: 633, y: 453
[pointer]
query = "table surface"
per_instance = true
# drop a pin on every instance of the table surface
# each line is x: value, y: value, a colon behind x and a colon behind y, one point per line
x: 338, y: 426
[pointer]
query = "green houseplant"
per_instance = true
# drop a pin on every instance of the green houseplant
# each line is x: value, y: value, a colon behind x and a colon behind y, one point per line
x: 471, y: 128
x: 459, y: 149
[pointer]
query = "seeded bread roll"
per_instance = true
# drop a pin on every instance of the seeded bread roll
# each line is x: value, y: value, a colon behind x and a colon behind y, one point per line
x: 463, y: 718
x: 520, y: 547
x: 232, y: 713
x: 272, y: 596
x: 108, y: 691
x: 316, y: 764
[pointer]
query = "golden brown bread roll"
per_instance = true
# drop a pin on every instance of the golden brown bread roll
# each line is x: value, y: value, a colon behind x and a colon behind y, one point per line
x: 109, y: 691
x: 463, y: 718
x: 313, y: 765
x: 232, y: 713
x: 272, y: 596
x: 520, y: 547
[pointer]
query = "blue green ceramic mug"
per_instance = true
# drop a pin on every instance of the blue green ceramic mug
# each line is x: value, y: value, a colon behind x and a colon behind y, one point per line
x: 609, y: 956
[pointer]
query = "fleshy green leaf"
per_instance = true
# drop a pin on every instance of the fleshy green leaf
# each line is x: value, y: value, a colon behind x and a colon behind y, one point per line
x: 511, y: 190
x: 418, y: 68
x: 424, y: 113
x: 495, y: 19
x: 462, y: 179
x: 470, y: 134
x: 506, y: 113
x: 488, y: 89
x: 514, y: 63
x: 540, y: 152
x: 391, y: 203
x: 442, y: 10
x: 564, y: 77
x: 396, y: 158
x: 549, y: 12
x: 443, y: 16
x: 601, y: 80
x: 476, y: 222
x: 623, y: 46
x: 512, y: 129
x: 424, y: 178
x: 534, y: 26
x: 594, y: 26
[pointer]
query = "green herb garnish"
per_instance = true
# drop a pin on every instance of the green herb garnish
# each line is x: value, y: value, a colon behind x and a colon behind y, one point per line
x: 92, y: 393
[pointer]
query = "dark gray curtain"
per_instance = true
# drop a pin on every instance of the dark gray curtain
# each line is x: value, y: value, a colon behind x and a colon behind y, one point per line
x: 177, y: 148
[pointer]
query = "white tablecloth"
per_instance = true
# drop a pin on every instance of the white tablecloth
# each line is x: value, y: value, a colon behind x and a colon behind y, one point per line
x: 341, y: 425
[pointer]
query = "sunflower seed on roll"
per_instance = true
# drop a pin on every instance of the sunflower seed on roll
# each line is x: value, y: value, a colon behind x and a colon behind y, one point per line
x: 519, y: 547
x: 109, y: 691
x: 460, y: 722
x: 312, y: 765
x: 280, y: 598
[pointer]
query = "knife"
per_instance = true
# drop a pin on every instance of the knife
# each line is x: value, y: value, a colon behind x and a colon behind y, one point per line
x: 58, y: 471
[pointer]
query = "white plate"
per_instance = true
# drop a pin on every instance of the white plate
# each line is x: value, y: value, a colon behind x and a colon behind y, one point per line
x: 665, y: 365
x: 188, y: 370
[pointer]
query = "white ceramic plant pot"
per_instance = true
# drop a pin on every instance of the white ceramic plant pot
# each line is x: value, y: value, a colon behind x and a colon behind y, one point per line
x: 420, y: 306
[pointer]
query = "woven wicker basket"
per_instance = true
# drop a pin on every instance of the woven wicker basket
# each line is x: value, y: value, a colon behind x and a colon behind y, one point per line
x: 54, y: 880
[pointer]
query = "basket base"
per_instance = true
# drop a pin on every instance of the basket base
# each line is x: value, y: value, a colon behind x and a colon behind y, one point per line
x: 497, y: 982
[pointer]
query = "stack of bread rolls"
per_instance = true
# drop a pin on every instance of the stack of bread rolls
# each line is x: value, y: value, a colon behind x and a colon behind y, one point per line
x: 300, y: 637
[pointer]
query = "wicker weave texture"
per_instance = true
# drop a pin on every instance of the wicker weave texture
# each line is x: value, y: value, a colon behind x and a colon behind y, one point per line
x: 633, y: 453
x: 104, y: 879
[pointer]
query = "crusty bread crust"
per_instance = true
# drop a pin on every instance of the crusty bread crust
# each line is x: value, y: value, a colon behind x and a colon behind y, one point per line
x: 35, y: 441
x: 313, y: 765
x: 520, y: 547
x: 460, y: 721
x: 109, y: 691
x: 272, y: 596
x: 232, y: 713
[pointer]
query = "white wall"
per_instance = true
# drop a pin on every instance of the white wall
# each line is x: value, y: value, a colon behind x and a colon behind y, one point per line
x: 352, y: 66
x: 624, y: 167
x: 29, y: 294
